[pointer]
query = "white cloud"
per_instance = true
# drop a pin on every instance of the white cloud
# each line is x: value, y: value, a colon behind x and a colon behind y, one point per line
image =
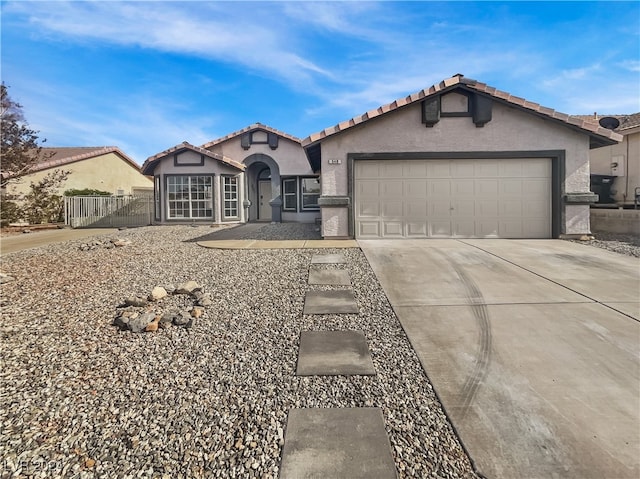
x: 215, y: 31
x: 631, y: 65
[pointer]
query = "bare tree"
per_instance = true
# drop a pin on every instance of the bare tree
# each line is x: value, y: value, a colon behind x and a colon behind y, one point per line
x: 19, y: 151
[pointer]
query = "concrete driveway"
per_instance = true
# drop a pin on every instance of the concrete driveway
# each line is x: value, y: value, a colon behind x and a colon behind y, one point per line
x: 533, y: 347
x: 9, y: 244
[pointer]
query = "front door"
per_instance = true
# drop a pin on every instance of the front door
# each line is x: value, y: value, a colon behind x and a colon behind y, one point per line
x: 264, y: 196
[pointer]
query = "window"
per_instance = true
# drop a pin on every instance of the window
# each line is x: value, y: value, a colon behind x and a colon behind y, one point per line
x: 290, y: 194
x: 310, y: 192
x: 189, y: 197
x: 230, y: 192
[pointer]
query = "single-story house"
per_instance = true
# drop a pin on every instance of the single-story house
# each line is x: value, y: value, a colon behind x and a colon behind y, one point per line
x: 254, y: 174
x: 459, y: 159
x: 621, y: 160
x: 104, y: 168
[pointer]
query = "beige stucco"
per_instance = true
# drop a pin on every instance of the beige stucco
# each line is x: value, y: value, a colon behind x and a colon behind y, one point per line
x: 629, y: 149
x: 108, y: 172
x: 509, y: 130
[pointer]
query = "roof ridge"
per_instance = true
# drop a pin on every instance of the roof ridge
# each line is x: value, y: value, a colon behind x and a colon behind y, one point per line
x: 246, y: 129
x: 470, y: 84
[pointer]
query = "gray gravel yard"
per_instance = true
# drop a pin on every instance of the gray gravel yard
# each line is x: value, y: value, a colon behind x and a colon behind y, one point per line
x: 79, y: 398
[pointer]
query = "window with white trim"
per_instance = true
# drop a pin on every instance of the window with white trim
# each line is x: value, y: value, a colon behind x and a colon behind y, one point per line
x: 290, y: 194
x: 189, y: 197
x: 230, y: 192
x: 309, y: 193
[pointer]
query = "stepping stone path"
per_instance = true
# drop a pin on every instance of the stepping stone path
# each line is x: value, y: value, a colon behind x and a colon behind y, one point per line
x: 332, y: 353
x: 334, y: 442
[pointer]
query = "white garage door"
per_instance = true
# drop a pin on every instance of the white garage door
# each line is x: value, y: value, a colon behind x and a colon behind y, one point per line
x: 484, y: 198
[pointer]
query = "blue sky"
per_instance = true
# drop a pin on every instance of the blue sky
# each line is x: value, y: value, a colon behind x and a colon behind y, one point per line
x: 147, y: 75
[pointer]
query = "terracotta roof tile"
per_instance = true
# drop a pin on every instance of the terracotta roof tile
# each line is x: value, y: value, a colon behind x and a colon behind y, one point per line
x: 470, y: 84
x: 254, y: 126
x: 150, y: 163
x: 61, y: 156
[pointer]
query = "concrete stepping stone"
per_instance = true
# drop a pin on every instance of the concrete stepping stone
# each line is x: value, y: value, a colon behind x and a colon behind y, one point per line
x: 336, y: 443
x: 337, y: 258
x: 338, y: 277
x: 332, y: 353
x: 330, y: 302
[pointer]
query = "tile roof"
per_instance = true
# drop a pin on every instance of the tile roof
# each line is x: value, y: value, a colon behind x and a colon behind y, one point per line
x: 602, y: 135
x: 60, y: 156
x: 254, y: 126
x: 150, y: 163
x: 626, y: 121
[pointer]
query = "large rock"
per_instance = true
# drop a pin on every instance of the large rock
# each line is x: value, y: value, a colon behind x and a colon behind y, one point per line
x: 157, y: 293
x: 190, y: 287
x: 136, y: 301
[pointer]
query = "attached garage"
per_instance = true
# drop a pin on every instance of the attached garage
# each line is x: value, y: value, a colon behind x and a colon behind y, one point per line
x: 453, y: 198
x: 459, y: 159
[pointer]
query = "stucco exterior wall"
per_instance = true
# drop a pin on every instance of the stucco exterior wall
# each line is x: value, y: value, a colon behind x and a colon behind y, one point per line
x: 509, y: 130
x: 210, y: 166
x: 106, y: 172
x: 289, y: 155
x: 629, y: 148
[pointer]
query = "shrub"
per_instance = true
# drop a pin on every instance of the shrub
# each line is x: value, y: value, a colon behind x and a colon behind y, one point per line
x: 86, y: 192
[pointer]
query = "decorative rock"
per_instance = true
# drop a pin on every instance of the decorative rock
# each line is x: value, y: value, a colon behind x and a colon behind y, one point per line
x: 187, y: 288
x: 136, y: 301
x: 121, y: 242
x: 153, y: 325
x: 183, y: 319
x: 168, y: 318
x: 5, y: 278
x: 139, y: 324
x: 196, y: 312
x: 157, y: 293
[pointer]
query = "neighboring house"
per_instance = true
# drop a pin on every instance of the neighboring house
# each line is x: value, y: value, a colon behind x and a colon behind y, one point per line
x: 622, y: 161
x: 104, y: 168
x: 457, y: 160
x: 254, y: 174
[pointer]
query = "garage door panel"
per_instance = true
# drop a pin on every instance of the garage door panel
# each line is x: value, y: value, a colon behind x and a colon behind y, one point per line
x: 487, y: 169
x: 512, y: 208
x: 440, y: 228
x: 487, y: 188
x: 416, y: 208
x: 487, y: 208
x: 368, y: 229
x: 414, y: 169
x: 368, y: 188
x: 368, y: 208
x: 536, y: 168
x: 480, y: 198
x: 367, y: 169
x: 438, y: 169
x: 416, y: 229
x: 393, y: 229
x: 463, y: 188
x: 415, y: 189
x: 465, y: 228
x: 391, y: 188
x: 392, y: 209
x: 439, y: 188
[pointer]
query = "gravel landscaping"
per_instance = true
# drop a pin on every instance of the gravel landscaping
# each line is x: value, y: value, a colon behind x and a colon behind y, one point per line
x: 625, y: 244
x: 80, y: 398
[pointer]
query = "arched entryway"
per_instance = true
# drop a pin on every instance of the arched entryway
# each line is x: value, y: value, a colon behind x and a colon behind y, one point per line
x: 263, y: 188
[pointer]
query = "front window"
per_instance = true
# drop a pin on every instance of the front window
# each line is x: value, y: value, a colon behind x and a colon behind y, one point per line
x: 190, y: 197
x: 230, y: 191
x: 310, y: 193
x: 290, y: 194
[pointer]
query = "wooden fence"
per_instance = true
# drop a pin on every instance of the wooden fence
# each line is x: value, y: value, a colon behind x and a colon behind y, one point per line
x: 108, y: 211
